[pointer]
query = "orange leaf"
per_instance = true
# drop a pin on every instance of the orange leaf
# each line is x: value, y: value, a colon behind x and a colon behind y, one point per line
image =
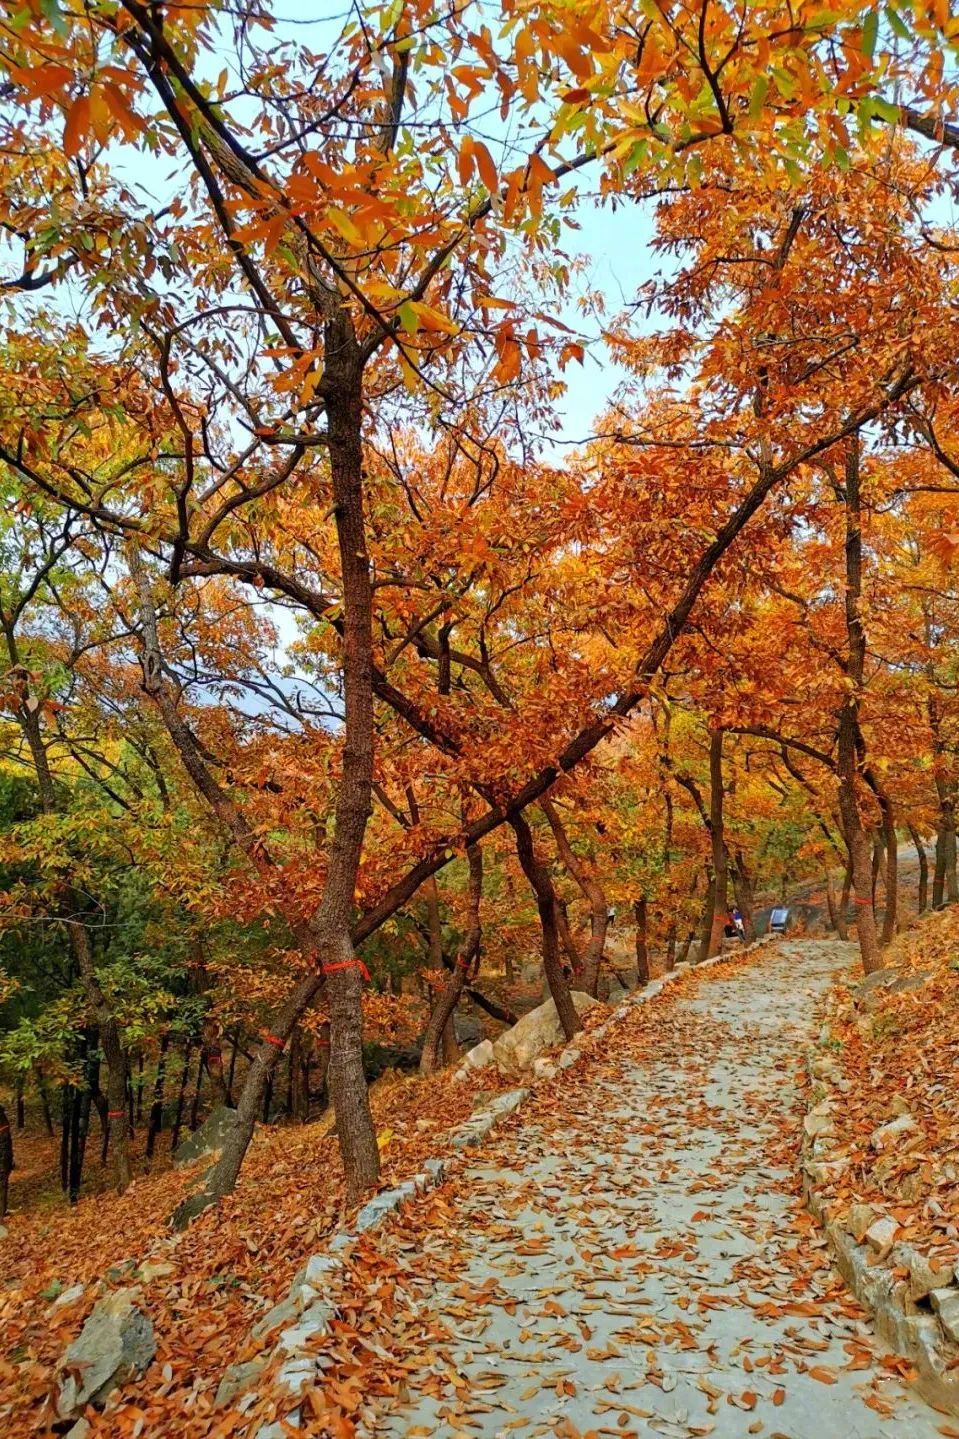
x: 78, y: 123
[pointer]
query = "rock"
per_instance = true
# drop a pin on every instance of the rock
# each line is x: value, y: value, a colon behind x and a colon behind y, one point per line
x: 468, y: 1028
x: 239, y: 1377
x: 858, y: 1220
x: 543, y: 1068
x: 569, y: 1057
x: 946, y: 1304
x: 4, y: 1231
x: 819, y: 1120
x: 890, y: 1134
x: 881, y: 1234
x: 80, y: 1430
x: 115, y: 1344
x: 209, y: 1138
x: 537, y: 1031
x: 479, y: 1057
x: 69, y: 1296
x: 155, y: 1269
x: 924, y: 1276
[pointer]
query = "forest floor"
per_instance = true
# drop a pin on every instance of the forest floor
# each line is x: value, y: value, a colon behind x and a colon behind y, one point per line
x: 631, y: 1255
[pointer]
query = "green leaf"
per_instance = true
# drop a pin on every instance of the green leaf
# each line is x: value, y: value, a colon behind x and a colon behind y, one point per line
x: 870, y: 33
x: 758, y: 95
x: 897, y: 24
x: 50, y: 9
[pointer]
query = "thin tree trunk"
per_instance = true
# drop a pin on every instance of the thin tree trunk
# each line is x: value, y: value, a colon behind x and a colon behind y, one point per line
x: 743, y: 890
x: 542, y: 886
x: 156, y: 1108
x: 6, y: 1160
x: 707, y: 921
x: 588, y: 881
x: 464, y: 968
x: 181, y: 1097
x: 923, y: 896
x: 644, y: 973
x: 831, y: 902
x: 717, y: 834
x: 44, y: 1103
x: 18, y: 1103
x: 566, y: 940
x: 842, y: 915
x: 849, y: 738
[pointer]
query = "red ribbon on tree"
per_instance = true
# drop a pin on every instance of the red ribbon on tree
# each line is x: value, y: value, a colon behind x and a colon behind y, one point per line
x: 347, y: 964
x: 115, y: 1114
x: 273, y: 1039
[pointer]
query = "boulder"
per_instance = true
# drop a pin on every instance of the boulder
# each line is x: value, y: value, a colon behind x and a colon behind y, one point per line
x: 537, y: 1031
x: 209, y: 1138
x: 480, y: 1056
x: 881, y: 1234
x: 115, y: 1344
x: 888, y: 1135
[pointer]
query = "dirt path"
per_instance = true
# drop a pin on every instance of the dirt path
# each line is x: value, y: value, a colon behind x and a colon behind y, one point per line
x: 632, y: 1257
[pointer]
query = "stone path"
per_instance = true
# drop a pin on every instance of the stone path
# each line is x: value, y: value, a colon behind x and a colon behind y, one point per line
x: 632, y: 1256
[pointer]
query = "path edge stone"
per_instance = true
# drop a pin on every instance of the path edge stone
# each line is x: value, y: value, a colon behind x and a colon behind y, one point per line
x: 863, y: 1258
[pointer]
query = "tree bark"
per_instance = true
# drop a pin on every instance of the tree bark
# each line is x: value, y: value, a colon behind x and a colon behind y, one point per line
x: 717, y: 835
x: 707, y: 920
x: 922, y: 899
x: 849, y: 738
x: 743, y: 890
x: 644, y: 970
x: 588, y: 882
x: 156, y: 1108
x: 542, y: 886
x: 464, y: 967
x: 6, y: 1160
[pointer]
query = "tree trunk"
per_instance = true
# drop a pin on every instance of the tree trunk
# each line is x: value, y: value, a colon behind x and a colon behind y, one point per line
x: 566, y: 940
x: 743, y: 890
x: 891, y: 910
x: 212, y: 1047
x: 6, y: 1160
x: 850, y: 739
x: 464, y: 968
x: 717, y: 835
x: 156, y: 1108
x: 707, y: 920
x: 542, y: 886
x: 644, y: 971
x: 842, y: 915
x: 181, y: 1097
x: 586, y: 878
x: 45, y: 1103
x: 945, y: 886
x: 831, y: 903
x: 923, y: 896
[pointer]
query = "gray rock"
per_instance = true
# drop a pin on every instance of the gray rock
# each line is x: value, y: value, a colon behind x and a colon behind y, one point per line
x: 543, y: 1067
x: 375, y: 1211
x: 537, y: 1031
x: 209, y: 1138
x: 889, y: 1134
x: 80, y: 1430
x: 946, y: 1304
x: 115, y: 1344
x: 881, y: 1234
x: 569, y: 1057
x: 239, y: 1377
x: 924, y: 1277
x: 69, y: 1296
x: 480, y: 1056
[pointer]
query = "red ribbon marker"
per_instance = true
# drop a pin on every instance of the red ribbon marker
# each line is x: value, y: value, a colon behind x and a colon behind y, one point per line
x: 273, y: 1039
x: 866, y: 902
x: 347, y: 964
x: 115, y: 1113
x: 4, y: 1129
